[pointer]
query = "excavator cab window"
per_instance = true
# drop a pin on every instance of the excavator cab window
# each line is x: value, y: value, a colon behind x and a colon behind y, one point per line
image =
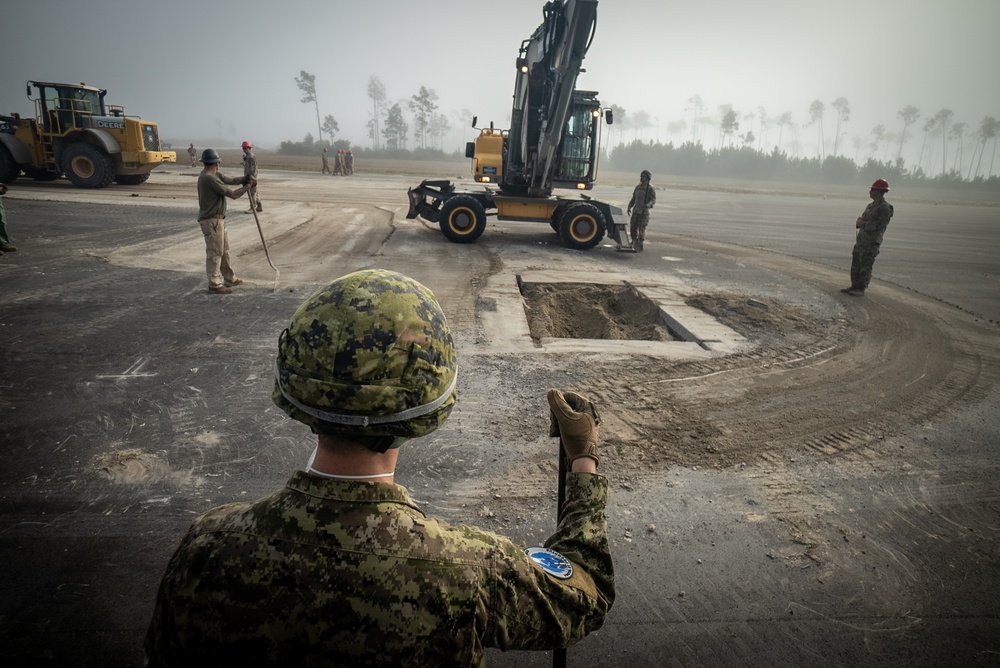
x: 577, y: 150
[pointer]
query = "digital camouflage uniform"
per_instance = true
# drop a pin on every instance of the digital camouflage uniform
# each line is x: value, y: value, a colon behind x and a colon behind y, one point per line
x: 643, y: 197
x: 4, y: 239
x: 338, y: 573
x: 212, y: 219
x: 349, y: 163
x: 869, y: 238
x: 250, y: 169
x: 193, y: 154
x: 326, y: 164
x: 329, y: 572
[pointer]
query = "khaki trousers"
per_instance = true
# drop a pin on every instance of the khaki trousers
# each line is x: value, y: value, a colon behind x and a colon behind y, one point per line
x: 217, y: 264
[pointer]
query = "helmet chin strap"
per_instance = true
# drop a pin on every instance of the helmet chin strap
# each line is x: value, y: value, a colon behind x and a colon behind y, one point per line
x: 336, y: 476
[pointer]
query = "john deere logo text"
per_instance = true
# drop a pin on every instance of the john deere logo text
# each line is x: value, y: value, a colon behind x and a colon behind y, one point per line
x: 117, y: 125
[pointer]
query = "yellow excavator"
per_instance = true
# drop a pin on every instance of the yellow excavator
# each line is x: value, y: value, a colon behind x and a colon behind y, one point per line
x: 553, y: 143
x: 74, y: 133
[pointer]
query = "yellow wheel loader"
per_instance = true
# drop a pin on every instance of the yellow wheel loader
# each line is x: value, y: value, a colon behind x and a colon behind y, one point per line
x: 74, y: 133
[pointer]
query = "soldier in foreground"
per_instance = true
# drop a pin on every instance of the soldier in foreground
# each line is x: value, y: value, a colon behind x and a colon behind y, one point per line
x: 871, y: 226
x: 643, y: 199
x: 5, y: 245
x: 341, y: 568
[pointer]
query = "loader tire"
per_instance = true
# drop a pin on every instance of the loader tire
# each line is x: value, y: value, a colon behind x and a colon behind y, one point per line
x: 131, y: 179
x: 581, y: 226
x: 87, y: 166
x: 8, y: 168
x: 462, y: 219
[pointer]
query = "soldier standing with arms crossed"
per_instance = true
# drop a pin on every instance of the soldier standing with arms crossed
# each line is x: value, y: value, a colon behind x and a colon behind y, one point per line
x: 341, y: 567
x: 212, y: 194
x: 871, y: 227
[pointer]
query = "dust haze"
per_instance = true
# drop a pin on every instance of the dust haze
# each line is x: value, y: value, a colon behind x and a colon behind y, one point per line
x: 222, y: 72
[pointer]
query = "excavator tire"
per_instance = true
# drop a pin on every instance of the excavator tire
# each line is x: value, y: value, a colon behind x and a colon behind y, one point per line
x: 581, y: 226
x: 462, y: 219
x: 87, y: 166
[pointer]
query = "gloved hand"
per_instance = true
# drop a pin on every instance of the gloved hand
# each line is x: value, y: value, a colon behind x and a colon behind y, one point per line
x: 629, y: 212
x: 574, y: 420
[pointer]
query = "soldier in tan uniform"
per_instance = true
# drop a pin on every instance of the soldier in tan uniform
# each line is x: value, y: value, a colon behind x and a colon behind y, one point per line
x: 341, y: 567
x: 643, y: 199
x: 250, y: 172
x: 212, y: 195
x: 193, y: 154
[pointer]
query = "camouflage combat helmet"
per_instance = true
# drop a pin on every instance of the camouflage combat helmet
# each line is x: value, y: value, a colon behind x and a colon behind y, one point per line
x: 645, y: 173
x: 370, y: 358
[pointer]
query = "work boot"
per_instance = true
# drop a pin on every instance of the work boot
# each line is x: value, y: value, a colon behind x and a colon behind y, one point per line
x: 7, y: 248
x: 260, y: 208
x: 220, y: 289
x: 235, y: 281
x: 856, y: 292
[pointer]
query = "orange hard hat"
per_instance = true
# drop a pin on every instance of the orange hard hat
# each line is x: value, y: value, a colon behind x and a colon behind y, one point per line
x: 247, y: 144
x: 880, y: 184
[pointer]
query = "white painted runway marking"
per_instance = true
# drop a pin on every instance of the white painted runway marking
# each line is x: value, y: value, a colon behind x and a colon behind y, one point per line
x: 134, y: 371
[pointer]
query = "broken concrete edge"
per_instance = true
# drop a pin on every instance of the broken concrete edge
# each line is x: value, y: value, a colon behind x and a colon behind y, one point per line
x: 505, y: 328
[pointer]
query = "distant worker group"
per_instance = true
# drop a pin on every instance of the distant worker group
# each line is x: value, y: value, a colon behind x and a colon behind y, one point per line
x: 343, y: 163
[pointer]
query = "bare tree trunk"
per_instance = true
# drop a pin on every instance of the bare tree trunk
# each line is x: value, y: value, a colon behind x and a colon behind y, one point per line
x: 319, y: 127
x: 994, y: 157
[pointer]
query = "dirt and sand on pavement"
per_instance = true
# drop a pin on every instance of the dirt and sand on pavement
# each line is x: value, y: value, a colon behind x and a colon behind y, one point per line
x: 779, y: 440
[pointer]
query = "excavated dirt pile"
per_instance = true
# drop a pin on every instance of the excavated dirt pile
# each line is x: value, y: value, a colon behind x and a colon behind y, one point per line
x: 588, y: 311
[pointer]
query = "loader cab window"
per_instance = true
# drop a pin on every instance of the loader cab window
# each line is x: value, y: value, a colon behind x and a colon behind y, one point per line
x: 577, y: 148
x: 65, y: 107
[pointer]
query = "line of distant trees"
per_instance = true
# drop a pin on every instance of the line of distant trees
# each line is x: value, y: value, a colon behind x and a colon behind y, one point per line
x: 950, y: 148
x: 744, y: 162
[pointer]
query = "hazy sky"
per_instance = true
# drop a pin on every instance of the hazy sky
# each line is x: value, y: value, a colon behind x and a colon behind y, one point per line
x: 186, y: 64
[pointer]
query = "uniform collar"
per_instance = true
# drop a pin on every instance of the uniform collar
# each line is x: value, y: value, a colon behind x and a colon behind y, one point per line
x: 350, y: 490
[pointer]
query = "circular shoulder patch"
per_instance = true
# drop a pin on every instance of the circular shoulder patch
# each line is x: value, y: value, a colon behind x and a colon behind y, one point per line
x: 551, y: 562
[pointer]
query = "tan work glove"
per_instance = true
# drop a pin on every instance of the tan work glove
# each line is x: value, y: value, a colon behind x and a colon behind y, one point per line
x: 574, y: 420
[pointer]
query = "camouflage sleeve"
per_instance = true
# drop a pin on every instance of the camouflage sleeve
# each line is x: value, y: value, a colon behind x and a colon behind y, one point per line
x: 162, y: 647
x: 651, y: 197
x: 535, y: 610
x: 876, y: 219
x: 631, y: 202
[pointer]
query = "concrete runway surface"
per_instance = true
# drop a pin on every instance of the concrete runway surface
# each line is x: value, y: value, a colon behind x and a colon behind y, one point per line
x: 826, y: 494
